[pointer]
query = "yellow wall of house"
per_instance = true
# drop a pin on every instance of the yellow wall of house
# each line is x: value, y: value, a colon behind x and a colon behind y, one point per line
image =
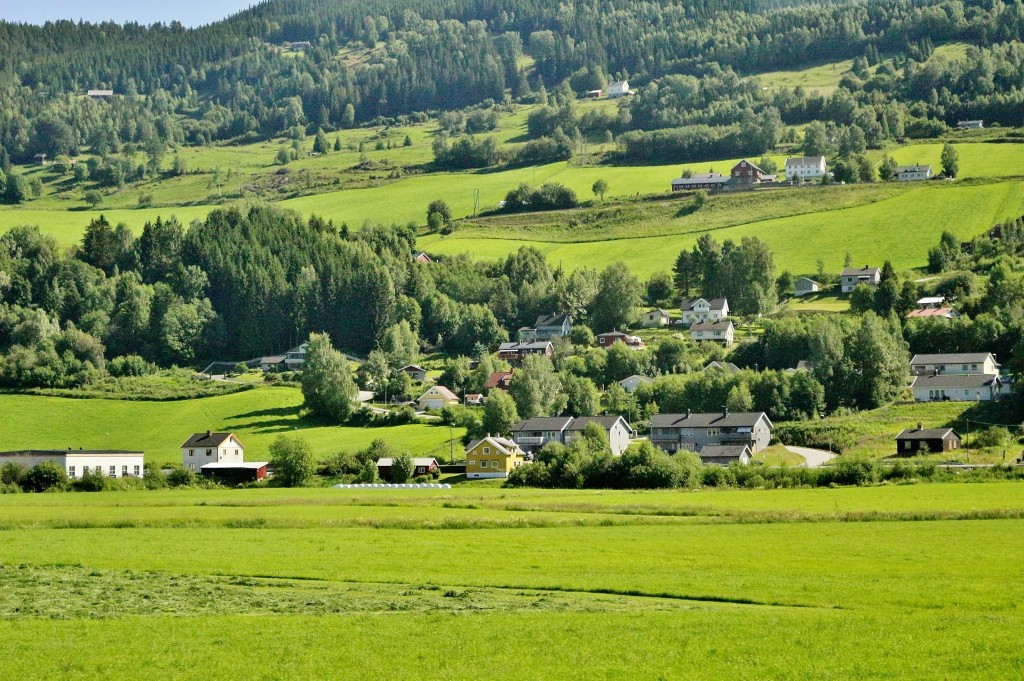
x: 485, y: 462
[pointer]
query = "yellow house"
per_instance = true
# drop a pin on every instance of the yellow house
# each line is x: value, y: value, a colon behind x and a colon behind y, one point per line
x: 492, y: 457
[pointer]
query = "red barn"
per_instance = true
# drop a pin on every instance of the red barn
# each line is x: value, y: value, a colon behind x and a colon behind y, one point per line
x: 746, y: 172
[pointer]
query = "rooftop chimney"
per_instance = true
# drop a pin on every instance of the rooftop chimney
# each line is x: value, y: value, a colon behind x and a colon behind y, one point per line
x: 725, y: 411
x: 687, y: 412
x: 209, y: 433
x: 920, y: 426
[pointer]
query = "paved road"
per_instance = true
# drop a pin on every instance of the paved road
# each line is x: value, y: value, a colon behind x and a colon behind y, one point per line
x: 814, y: 457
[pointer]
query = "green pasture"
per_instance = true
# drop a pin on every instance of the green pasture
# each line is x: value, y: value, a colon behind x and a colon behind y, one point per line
x: 900, y: 229
x: 158, y: 428
x: 819, y: 302
x: 672, y: 584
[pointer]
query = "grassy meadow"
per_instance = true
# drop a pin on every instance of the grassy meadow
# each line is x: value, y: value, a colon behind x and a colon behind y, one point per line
x: 158, y: 428
x: 712, y: 584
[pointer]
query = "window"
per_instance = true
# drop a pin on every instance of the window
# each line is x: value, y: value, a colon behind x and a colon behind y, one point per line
x: 71, y: 471
x: 191, y: 452
x: 113, y: 471
x: 712, y: 432
x: 494, y: 464
x: 906, y: 444
x: 209, y: 452
x: 192, y: 466
x: 487, y: 450
x: 964, y: 368
x: 470, y: 462
x: 137, y: 471
x: 124, y: 470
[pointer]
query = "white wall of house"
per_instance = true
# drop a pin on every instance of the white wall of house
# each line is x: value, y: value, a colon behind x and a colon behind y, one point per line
x: 76, y: 463
x: 933, y: 394
x: 195, y: 458
x: 987, y: 368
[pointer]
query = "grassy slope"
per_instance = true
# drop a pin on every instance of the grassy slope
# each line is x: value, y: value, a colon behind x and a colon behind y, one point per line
x: 861, y: 600
x: 158, y: 428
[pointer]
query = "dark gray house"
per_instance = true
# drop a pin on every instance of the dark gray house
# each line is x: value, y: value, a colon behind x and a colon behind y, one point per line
x: 922, y: 440
x: 692, y: 432
x: 724, y: 455
x: 547, y: 327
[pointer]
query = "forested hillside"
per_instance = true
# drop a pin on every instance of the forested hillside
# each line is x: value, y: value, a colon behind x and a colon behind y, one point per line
x: 239, y: 79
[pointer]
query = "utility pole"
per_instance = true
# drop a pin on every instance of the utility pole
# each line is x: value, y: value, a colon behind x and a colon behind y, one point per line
x: 476, y: 201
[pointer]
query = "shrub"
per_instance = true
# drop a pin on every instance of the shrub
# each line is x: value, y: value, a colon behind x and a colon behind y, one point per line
x: 12, y: 473
x: 130, y: 365
x: 292, y: 461
x: 45, y: 476
x: 851, y: 471
x: 90, y: 481
x: 181, y: 477
x: 401, y: 468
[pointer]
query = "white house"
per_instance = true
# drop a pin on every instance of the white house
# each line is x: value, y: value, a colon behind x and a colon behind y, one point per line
x: 964, y: 363
x: 704, y: 309
x: 209, y: 447
x: 956, y: 388
x: 619, y: 88
x: 617, y: 429
x: 655, y: 318
x: 852, y: 277
x: 295, y: 358
x: 805, y: 168
x: 631, y: 383
x: 970, y: 125
x: 99, y: 94
x: 913, y: 173
x: 110, y: 463
x: 719, y: 332
x: 437, y: 397
x: 805, y: 286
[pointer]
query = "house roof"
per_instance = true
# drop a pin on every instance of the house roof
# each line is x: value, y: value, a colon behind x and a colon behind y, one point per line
x: 749, y: 163
x: 416, y: 461
x: 272, y: 359
x: 497, y: 377
x: 931, y: 312
x: 439, y: 391
x: 542, y: 423
x: 623, y: 83
x: 717, y: 304
x: 503, y: 445
x: 77, y: 452
x: 638, y: 377
x: 513, y: 346
x: 954, y: 381
x: 931, y: 300
x: 222, y: 465
x: 208, y: 439
x: 412, y: 367
x: 804, y: 160
x: 712, y: 326
x: 710, y: 420
x: 723, y: 451
x: 724, y: 366
x: 860, y: 271
x: 606, y: 422
x: 701, y: 178
x: 658, y: 310
x: 808, y: 279
x: 913, y: 169
x: 805, y: 365
x: 551, y: 320
x: 927, y: 434
x: 953, y: 358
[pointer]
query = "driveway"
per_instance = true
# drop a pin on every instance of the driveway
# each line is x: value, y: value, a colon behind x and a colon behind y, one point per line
x: 814, y: 458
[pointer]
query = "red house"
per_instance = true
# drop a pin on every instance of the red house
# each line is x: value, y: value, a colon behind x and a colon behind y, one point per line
x: 746, y: 172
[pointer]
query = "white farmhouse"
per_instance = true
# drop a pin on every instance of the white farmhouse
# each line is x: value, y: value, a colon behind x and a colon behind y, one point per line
x: 110, y: 463
x: 805, y: 168
x: 619, y: 88
x: 913, y: 173
x: 210, y: 447
x: 704, y: 309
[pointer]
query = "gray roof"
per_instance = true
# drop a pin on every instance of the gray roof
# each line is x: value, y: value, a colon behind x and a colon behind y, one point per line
x: 860, y: 271
x: 416, y: 461
x: 927, y: 434
x: 913, y: 169
x: 954, y: 381
x: 723, y: 451
x: 799, y: 279
x: 534, y: 345
x: 207, y: 439
x: 716, y: 420
x: 552, y: 320
x: 79, y: 452
x: 713, y: 303
x: 639, y: 377
x: 728, y: 367
x: 606, y: 422
x: 503, y: 445
x: 712, y: 326
x: 542, y: 423
x: 663, y: 313
x: 953, y: 358
x: 804, y: 160
x: 702, y: 178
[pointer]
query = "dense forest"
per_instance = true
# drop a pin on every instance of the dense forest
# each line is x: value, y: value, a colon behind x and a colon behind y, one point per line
x: 240, y: 79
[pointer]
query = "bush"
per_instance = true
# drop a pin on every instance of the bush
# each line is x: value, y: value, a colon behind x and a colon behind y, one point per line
x: 44, y: 477
x: 292, y: 461
x: 550, y: 196
x: 12, y: 473
x: 342, y: 463
x: 996, y: 437
x: 181, y: 477
x: 401, y: 468
x: 850, y: 471
x: 153, y: 477
x: 90, y: 481
x: 130, y: 365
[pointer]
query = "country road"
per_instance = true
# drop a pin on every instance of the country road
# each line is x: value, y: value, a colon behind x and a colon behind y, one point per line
x: 814, y: 457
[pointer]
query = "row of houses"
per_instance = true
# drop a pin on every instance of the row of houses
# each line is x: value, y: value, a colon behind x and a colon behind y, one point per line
x: 800, y: 169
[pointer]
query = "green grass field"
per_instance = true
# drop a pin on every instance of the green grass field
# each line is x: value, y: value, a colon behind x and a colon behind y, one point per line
x: 158, y: 428
x: 374, y: 584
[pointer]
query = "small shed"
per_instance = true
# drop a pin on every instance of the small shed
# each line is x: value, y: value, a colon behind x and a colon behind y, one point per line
x: 420, y: 466
x: 234, y: 472
x: 805, y: 286
x: 925, y: 440
x: 723, y: 455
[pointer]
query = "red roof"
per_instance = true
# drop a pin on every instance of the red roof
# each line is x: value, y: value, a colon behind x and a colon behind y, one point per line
x: 495, y: 379
x: 931, y: 312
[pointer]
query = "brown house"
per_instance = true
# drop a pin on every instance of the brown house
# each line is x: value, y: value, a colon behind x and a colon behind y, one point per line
x: 926, y: 440
x: 746, y: 172
x: 420, y: 466
x: 499, y: 380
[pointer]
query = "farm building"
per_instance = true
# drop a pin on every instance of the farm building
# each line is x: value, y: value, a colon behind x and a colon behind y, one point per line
x: 234, y: 472
x: 913, y: 173
x: 718, y: 332
x: 209, y: 447
x: 926, y: 440
x: 606, y: 340
x: 420, y: 466
x: 655, y: 318
x: 437, y: 397
x: 745, y: 172
x: 852, y: 277
x: 805, y: 168
x: 703, y: 309
x: 493, y: 457
x: 955, y: 363
x: 723, y: 455
x: 708, y: 181
x: 805, y: 286
x: 110, y: 463
x: 693, y: 432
